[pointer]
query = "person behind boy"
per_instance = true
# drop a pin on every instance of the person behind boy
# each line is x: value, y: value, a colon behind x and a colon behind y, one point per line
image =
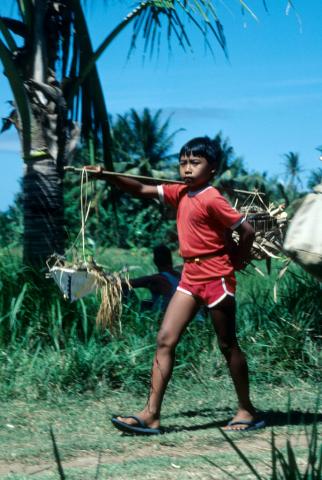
x: 203, y: 218
x: 163, y: 284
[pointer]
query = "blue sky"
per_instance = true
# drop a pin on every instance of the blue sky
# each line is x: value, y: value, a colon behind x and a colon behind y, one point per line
x: 267, y: 98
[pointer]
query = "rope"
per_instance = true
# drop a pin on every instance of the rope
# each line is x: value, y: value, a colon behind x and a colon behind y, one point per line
x: 108, y: 285
x: 85, y: 209
x: 85, y: 206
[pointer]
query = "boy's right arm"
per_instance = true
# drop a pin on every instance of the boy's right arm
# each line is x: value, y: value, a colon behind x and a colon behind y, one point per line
x: 129, y: 185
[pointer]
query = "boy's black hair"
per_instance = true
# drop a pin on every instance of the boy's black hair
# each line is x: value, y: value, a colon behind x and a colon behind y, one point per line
x: 162, y: 256
x: 202, y: 147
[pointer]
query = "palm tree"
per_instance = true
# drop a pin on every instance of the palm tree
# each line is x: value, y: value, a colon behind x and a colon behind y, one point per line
x: 293, y: 169
x: 43, y: 72
x: 226, y: 152
x: 142, y: 144
x: 231, y: 168
x: 52, y: 73
x: 315, y: 177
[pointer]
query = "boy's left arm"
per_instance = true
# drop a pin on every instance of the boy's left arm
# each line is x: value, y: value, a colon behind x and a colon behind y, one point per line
x: 241, y: 255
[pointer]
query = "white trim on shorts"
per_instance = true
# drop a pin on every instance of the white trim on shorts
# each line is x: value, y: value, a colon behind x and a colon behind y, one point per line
x: 183, y: 290
x: 223, y: 296
x: 180, y: 289
x: 218, y: 300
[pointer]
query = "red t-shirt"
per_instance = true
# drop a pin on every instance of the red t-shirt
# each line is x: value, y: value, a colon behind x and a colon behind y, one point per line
x: 203, y: 218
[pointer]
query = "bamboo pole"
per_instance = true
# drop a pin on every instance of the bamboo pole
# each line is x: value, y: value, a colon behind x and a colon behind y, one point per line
x: 152, y: 180
x: 107, y: 173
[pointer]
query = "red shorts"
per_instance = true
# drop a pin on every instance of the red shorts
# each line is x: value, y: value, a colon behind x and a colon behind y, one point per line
x: 210, y: 293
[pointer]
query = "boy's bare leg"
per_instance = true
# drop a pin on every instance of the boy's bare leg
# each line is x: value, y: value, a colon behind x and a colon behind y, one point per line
x: 179, y: 313
x: 223, y: 317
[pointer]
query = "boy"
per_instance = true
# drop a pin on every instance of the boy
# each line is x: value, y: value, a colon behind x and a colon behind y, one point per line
x: 203, y: 219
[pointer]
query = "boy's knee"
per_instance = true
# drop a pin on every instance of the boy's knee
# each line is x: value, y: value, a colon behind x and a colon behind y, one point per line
x: 226, y: 345
x: 165, y: 340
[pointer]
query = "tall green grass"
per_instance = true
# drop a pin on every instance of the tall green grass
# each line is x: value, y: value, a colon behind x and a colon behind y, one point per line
x: 284, y: 333
x: 48, y: 345
x: 284, y: 464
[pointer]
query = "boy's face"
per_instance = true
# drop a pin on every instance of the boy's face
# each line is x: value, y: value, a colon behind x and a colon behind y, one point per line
x: 195, y: 171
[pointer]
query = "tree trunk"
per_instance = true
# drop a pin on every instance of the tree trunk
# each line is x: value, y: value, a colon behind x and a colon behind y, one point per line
x: 43, y: 211
x: 43, y: 170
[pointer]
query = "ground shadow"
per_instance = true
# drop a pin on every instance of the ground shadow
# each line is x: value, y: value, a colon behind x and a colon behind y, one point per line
x: 205, y: 412
x: 293, y: 417
x: 273, y: 419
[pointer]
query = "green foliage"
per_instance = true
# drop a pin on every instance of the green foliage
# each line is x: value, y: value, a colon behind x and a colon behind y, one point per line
x: 48, y: 345
x: 284, y: 464
x: 11, y: 224
x: 142, y: 144
x: 286, y: 332
x: 117, y: 219
x: 315, y: 178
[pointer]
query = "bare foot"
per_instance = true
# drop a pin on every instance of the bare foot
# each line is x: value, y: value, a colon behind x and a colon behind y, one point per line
x: 150, y: 420
x: 242, y: 416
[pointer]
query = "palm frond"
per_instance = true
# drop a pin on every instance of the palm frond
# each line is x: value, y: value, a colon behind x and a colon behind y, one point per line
x: 20, y: 96
x: 248, y: 9
x: 4, y: 28
x: 26, y: 9
x: 94, y: 116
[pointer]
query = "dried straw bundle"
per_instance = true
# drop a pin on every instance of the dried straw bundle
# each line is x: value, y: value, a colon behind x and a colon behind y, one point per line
x: 269, y: 223
x: 81, y: 277
x: 110, y: 288
x: 270, y: 228
x: 76, y: 279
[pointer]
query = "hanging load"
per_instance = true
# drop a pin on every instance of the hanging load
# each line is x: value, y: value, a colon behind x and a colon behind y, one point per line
x: 78, y: 279
x: 269, y: 223
x: 81, y: 275
x: 77, y: 275
x: 303, y: 241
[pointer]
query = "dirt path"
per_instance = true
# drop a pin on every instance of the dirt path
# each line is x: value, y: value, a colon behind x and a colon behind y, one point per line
x: 259, y: 444
x: 192, y: 447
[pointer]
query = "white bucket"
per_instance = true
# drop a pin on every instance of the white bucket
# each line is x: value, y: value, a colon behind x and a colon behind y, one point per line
x: 73, y: 283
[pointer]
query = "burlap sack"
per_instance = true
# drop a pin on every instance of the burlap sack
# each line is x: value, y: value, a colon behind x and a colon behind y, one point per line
x: 303, y: 241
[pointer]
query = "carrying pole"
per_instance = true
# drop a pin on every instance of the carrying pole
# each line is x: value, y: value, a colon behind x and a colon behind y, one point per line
x: 152, y: 180
x: 107, y: 173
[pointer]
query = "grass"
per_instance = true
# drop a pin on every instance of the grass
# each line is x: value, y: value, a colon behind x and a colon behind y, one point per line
x: 192, y: 444
x: 58, y: 371
x: 48, y: 346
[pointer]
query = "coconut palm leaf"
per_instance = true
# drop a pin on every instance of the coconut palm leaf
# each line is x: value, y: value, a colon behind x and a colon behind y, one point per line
x: 293, y: 168
x: 142, y: 142
x: 247, y: 8
x: 16, y: 26
x: 19, y: 93
x: 26, y: 11
x: 10, y: 120
x: 4, y: 28
x: 66, y: 40
x: 94, y: 117
x: 57, y: 53
x: 315, y: 177
x: 80, y: 21
x: 148, y: 18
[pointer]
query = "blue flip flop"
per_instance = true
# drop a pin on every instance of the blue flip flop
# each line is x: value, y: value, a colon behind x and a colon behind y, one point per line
x: 250, y: 425
x: 140, y: 429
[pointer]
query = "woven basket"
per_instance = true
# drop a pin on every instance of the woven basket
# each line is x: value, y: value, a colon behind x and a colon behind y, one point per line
x: 270, y: 228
